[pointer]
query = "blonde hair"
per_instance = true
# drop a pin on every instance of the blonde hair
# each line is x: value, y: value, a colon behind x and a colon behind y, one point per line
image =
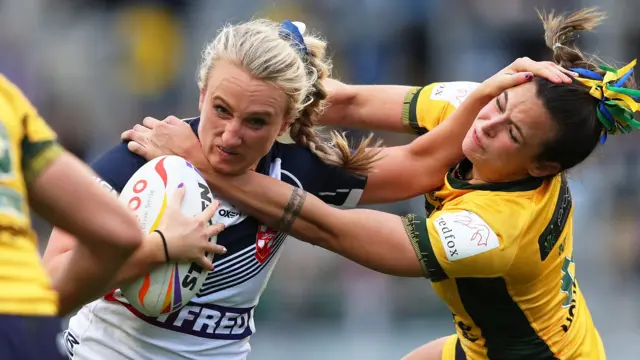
x: 259, y: 49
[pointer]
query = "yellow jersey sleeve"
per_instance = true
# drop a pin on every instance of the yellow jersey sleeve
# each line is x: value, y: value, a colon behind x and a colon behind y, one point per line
x: 37, y: 140
x: 458, y: 243
x: 426, y: 107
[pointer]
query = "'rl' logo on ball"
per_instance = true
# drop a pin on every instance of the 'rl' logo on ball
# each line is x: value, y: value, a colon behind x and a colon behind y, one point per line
x: 264, y: 242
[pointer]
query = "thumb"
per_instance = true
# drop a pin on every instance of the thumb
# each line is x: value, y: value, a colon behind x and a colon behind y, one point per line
x: 178, y: 195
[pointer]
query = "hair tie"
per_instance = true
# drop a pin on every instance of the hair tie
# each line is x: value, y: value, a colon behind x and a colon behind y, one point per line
x: 616, y: 104
x: 556, y: 45
x: 292, y: 32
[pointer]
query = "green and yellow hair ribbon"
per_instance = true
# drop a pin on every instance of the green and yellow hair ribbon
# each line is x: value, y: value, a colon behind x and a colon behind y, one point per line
x: 617, y: 104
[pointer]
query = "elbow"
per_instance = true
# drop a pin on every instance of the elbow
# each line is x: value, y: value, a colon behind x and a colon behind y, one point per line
x: 339, y: 93
x: 131, y: 239
x: 54, y: 262
x: 342, y: 100
x: 50, y: 265
x: 127, y: 235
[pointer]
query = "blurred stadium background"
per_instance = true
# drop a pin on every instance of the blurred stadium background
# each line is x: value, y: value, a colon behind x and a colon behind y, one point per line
x: 96, y: 67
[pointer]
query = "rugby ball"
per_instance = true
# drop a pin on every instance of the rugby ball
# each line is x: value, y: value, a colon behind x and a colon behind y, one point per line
x: 170, y: 286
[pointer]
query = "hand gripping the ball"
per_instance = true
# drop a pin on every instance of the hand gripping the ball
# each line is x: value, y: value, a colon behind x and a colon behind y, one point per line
x: 188, y: 237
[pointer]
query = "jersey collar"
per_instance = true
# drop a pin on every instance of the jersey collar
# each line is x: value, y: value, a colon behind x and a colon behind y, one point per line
x: 465, y: 166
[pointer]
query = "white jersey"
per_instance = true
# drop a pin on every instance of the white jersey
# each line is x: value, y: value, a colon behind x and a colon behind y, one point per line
x: 218, y: 322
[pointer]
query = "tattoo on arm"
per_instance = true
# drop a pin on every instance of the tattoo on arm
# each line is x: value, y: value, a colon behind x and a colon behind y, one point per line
x: 292, y: 210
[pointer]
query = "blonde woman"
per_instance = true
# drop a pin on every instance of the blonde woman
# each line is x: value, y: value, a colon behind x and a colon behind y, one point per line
x: 258, y: 80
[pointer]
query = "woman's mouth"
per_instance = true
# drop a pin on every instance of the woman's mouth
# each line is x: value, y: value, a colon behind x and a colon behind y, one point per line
x: 224, y: 152
x: 476, y: 139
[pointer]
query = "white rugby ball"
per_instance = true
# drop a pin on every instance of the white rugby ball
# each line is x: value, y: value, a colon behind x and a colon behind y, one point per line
x: 170, y: 286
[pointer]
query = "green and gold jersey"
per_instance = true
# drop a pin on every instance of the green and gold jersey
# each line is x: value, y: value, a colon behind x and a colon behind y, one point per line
x: 426, y: 107
x: 27, y: 146
x: 501, y: 257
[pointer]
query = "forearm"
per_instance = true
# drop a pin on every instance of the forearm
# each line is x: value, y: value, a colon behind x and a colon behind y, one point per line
x: 369, y: 107
x: 82, y: 274
x: 282, y: 207
x: 441, y: 148
x: 373, y: 239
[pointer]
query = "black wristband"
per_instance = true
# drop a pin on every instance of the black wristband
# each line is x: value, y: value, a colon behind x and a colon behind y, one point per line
x: 164, y: 243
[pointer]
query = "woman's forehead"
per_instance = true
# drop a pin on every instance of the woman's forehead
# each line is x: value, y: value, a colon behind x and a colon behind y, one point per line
x: 237, y: 87
x: 528, y: 112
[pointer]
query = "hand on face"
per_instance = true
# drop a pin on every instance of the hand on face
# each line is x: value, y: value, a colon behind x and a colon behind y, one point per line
x: 521, y: 71
x: 168, y: 137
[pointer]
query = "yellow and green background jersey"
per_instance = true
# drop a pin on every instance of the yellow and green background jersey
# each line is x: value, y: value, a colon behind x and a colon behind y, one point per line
x: 27, y: 146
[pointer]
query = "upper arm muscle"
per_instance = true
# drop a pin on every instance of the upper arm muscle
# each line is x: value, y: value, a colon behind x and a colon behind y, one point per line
x: 66, y: 194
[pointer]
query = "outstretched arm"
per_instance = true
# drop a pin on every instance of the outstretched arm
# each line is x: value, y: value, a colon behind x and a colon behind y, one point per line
x: 420, y: 166
x: 377, y: 240
x: 371, y: 107
x: 390, y: 107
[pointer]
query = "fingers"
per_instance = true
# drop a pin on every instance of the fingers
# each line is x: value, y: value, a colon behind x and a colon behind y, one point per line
x: 545, y: 69
x: 133, y: 135
x: 150, y: 122
x: 508, y: 81
x: 205, y: 263
x: 126, y: 135
x: 209, y: 212
x: 172, y: 120
x: 216, y: 249
x: 142, y: 129
x: 563, y: 74
x: 571, y: 74
x: 138, y: 149
x: 551, y: 73
x: 214, y: 230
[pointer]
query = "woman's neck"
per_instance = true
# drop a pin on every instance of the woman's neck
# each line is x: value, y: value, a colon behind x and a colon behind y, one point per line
x: 477, y: 176
x: 254, y: 166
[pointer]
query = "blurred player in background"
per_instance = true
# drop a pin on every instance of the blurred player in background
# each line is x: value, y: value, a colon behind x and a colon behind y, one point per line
x: 497, y: 243
x: 36, y: 172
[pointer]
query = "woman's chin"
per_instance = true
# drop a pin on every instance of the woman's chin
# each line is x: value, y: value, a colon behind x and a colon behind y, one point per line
x: 467, y: 150
x: 227, y: 168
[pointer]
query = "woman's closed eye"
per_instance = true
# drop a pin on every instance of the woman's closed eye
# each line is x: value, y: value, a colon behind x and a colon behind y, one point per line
x: 513, y: 136
x: 512, y: 131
